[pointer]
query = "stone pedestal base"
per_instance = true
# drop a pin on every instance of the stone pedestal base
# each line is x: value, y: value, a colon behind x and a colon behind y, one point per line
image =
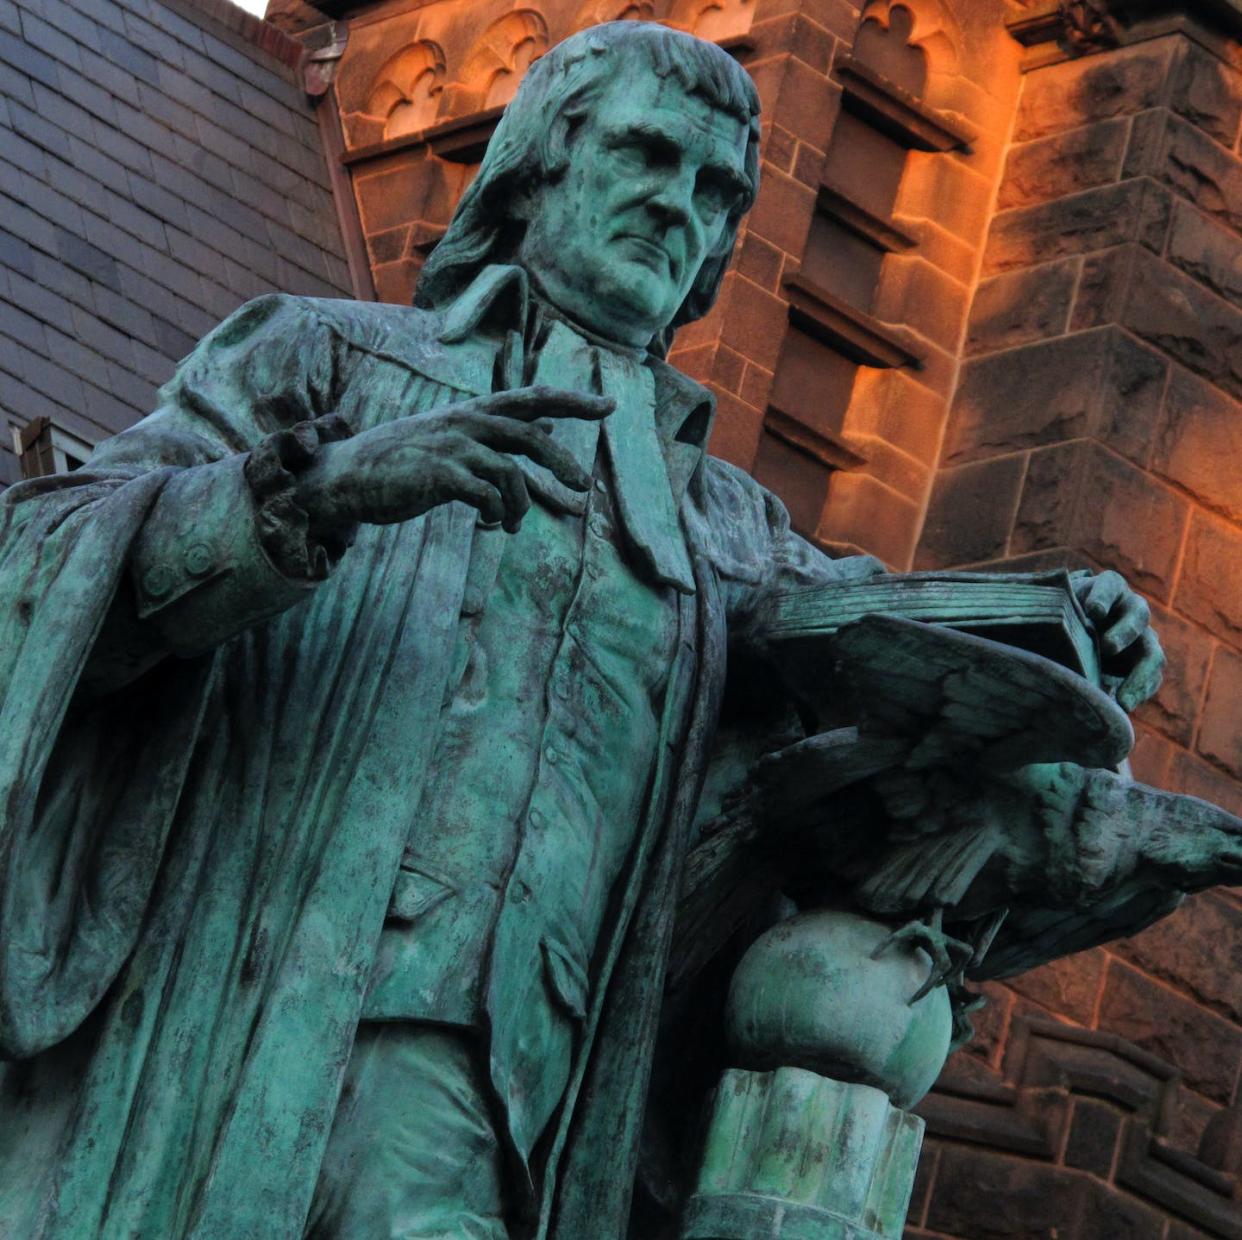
x: 796, y: 1155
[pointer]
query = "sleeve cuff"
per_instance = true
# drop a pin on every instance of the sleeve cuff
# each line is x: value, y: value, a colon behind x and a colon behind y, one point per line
x: 283, y: 526
x: 226, y: 546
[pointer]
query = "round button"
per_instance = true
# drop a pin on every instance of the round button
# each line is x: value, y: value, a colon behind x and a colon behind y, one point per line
x: 198, y: 560
x: 599, y: 485
x: 536, y: 818
x: 551, y: 755
x: 599, y: 526
x: 561, y: 689
x: 158, y: 581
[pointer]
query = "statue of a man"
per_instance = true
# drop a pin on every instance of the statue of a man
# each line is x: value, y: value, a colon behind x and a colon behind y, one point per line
x: 355, y: 718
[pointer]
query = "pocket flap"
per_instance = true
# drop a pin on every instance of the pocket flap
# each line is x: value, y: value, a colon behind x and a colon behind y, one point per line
x: 566, y: 976
x: 415, y: 893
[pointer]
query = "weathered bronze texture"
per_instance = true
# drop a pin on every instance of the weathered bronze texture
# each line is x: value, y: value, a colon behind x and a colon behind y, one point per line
x: 364, y: 770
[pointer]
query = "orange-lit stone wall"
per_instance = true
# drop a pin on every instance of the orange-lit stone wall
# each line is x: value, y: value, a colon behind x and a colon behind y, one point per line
x: 985, y: 312
x: 1095, y: 420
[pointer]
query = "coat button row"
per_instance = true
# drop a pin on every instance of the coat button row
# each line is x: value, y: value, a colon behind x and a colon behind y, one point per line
x: 197, y: 562
x: 157, y: 581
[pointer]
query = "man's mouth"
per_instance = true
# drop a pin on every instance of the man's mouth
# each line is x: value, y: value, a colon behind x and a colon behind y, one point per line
x: 649, y: 252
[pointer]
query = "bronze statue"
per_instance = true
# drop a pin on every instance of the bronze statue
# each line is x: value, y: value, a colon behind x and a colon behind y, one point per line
x: 358, y: 704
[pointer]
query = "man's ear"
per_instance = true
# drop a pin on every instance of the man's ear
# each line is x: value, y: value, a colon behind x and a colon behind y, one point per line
x: 557, y: 141
x: 520, y: 207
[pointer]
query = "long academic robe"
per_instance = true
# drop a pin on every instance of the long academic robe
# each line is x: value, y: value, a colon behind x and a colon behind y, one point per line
x: 186, y: 938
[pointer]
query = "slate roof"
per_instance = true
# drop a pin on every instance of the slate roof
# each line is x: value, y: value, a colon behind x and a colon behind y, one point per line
x: 159, y: 165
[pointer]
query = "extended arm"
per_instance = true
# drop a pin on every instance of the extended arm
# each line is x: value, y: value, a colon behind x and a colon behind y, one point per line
x: 759, y: 557
x: 270, y: 484
x: 225, y: 545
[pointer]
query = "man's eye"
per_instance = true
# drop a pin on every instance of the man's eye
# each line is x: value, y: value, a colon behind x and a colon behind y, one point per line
x: 634, y: 156
x: 640, y: 154
x: 714, y: 194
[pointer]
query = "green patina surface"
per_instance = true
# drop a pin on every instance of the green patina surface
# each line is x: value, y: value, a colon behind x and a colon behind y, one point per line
x: 356, y: 707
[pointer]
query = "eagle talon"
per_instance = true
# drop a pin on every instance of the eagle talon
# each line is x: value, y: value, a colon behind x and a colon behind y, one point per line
x: 949, y: 955
x: 964, y: 1004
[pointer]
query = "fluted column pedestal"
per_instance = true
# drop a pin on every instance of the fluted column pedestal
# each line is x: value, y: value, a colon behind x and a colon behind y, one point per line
x: 796, y: 1155
x: 808, y: 1137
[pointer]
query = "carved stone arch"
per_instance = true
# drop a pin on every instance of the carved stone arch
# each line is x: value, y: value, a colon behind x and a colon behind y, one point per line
x: 405, y: 94
x: 931, y: 28
x: 501, y: 55
x: 596, y: 12
x: 714, y: 19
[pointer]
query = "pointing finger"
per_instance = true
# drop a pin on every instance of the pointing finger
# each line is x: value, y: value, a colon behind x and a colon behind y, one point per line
x: 540, y: 401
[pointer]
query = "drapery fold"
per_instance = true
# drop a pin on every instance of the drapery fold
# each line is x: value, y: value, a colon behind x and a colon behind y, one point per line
x: 195, y: 865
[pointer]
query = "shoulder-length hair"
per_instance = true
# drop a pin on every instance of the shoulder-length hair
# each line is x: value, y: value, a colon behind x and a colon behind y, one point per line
x: 530, y: 148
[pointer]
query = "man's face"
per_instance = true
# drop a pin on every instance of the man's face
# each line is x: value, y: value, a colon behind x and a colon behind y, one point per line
x: 653, y: 173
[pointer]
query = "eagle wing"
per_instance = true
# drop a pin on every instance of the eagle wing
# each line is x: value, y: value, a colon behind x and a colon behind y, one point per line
x: 966, y: 700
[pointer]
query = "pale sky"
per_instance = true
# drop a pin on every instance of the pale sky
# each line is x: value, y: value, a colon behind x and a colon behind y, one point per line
x: 257, y: 7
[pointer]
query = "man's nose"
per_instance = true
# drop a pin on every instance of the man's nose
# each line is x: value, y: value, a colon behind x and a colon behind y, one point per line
x: 671, y: 199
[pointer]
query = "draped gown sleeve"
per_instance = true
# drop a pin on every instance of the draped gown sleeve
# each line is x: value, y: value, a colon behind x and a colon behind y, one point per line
x: 157, y: 546
x: 745, y: 533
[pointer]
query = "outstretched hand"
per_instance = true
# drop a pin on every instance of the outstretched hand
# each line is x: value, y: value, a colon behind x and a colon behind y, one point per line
x: 1129, y: 645
x: 400, y: 469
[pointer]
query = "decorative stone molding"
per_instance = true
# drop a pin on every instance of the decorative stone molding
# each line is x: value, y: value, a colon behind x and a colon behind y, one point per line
x: 1033, y: 1111
x: 934, y: 29
x: 896, y: 112
x: 461, y: 140
x: 491, y: 72
x: 1065, y: 29
x: 827, y: 449
x: 860, y: 336
x: 407, y: 89
x: 1088, y: 25
x: 879, y: 232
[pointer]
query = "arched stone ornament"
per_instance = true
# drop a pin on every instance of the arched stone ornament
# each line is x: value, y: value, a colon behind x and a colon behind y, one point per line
x: 928, y: 24
x: 407, y: 90
x: 493, y: 68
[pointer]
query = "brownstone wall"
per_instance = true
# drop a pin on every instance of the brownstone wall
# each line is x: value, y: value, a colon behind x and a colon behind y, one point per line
x: 1096, y: 421
x: 832, y: 349
x: 159, y: 164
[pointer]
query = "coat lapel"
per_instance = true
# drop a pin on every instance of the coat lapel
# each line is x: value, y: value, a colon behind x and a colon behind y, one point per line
x: 593, y: 1162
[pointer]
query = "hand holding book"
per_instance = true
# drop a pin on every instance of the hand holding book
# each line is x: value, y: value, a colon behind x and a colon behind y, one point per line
x: 1092, y: 623
x: 1129, y: 648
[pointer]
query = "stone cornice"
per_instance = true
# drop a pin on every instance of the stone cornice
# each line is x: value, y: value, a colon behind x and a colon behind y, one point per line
x: 1053, y: 30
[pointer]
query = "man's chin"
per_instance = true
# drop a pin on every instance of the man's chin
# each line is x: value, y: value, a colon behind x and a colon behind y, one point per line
x: 639, y: 301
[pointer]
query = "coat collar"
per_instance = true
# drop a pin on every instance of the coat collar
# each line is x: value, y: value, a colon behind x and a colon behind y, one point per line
x: 485, y: 326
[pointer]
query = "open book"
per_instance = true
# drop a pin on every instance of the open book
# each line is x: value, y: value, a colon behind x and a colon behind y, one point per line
x: 1035, y: 611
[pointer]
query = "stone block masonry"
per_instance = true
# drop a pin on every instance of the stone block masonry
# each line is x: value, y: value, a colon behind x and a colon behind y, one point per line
x: 1096, y: 421
x: 159, y: 164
